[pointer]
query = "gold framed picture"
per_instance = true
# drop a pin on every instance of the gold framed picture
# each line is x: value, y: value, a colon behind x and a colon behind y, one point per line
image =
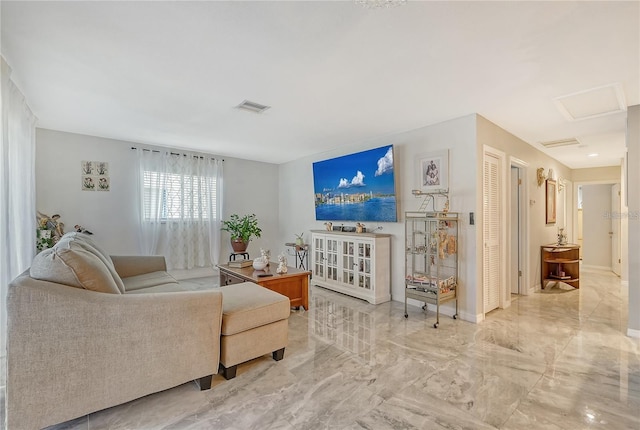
x: 552, y: 191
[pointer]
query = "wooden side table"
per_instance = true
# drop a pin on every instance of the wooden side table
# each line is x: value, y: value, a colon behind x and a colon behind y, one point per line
x: 560, y: 263
x: 293, y: 284
x: 301, y: 254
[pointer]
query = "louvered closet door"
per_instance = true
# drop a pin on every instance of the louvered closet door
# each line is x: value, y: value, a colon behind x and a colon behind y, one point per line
x: 491, y: 233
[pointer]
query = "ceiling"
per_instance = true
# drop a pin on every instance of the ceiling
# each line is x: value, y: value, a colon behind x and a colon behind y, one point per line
x: 333, y: 72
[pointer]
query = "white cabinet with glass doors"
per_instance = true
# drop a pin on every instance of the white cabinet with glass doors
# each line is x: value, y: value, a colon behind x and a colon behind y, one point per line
x: 357, y: 264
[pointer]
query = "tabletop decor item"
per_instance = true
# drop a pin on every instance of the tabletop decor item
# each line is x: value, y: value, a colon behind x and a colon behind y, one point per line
x: 241, y: 230
x: 259, y: 264
x: 282, y: 264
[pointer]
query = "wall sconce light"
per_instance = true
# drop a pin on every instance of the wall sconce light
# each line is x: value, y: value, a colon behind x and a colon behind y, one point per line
x: 561, y: 184
x: 541, y: 176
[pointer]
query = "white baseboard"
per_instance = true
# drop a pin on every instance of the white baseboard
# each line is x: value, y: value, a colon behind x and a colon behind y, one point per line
x: 591, y: 267
x: 633, y: 333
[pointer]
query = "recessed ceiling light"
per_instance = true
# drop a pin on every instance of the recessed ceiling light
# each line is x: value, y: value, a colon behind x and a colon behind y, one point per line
x: 593, y: 155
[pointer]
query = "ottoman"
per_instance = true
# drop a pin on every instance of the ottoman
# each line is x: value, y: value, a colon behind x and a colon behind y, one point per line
x: 254, y: 323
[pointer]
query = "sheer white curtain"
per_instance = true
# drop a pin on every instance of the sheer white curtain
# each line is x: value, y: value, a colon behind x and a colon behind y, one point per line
x: 180, y: 207
x: 17, y: 192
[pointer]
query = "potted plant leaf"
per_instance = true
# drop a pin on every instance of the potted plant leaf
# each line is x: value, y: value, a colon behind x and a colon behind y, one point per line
x: 241, y: 229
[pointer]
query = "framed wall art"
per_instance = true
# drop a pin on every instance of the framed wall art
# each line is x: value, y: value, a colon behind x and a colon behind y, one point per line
x: 95, y: 176
x: 432, y: 170
x: 551, y: 194
x: 359, y: 186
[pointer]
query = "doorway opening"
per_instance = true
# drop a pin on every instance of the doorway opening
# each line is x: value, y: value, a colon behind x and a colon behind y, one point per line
x: 518, y: 228
x: 598, y: 226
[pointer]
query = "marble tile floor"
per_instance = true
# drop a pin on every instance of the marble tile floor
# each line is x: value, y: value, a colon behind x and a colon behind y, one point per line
x: 550, y: 361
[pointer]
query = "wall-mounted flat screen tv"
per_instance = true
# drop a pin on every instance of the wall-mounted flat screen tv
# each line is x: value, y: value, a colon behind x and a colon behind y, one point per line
x: 356, y: 187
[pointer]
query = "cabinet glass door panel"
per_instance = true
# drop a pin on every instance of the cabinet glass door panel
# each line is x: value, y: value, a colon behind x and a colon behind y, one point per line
x: 348, y: 277
x: 318, y: 257
x: 332, y: 259
x: 364, y: 281
x: 332, y: 273
x: 349, y: 262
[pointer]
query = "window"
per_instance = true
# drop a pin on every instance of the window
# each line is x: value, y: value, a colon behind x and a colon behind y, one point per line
x: 173, y: 196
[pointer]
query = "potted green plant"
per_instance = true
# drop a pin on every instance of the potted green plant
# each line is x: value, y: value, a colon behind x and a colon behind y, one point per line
x: 241, y: 229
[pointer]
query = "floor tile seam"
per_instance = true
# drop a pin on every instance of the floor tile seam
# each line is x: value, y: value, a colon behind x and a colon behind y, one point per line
x: 593, y: 310
x: 533, y: 387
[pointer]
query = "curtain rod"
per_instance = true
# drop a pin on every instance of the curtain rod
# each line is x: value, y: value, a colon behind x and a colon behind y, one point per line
x: 174, y: 153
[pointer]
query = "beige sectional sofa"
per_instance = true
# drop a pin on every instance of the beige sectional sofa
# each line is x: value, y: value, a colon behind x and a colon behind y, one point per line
x: 127, y: 329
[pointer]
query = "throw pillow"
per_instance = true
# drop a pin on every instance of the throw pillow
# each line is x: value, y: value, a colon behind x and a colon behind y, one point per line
x: 74, y: 267
x: 84, y: 241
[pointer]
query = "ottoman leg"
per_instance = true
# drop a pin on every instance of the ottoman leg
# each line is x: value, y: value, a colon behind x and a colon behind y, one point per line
x: 278, y: 355
x: 205, y: 382
x: 228, y: 372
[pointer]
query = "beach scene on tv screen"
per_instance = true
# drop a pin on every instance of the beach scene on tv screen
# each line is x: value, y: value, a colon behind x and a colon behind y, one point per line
x: 356, y: 187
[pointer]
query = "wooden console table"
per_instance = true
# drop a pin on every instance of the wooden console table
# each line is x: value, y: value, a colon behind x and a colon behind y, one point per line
x: 293, y: 284
x: 560, y: 263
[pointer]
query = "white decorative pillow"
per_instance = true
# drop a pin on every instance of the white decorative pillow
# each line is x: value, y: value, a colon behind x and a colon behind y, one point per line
x: 73, y: 266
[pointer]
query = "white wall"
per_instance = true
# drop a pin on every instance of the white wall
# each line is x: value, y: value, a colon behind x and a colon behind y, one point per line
x: 624, y: 226
x: 609, y: 174
x: 297, y: 211
x: 633, y: 184
x: 250, y: 187
x: 596, y: 203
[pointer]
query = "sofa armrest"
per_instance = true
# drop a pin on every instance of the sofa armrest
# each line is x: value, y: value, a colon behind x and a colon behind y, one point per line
x: 73, y: 351
x: 132, y: 265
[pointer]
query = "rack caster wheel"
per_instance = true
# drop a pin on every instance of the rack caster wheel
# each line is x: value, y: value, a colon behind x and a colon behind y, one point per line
x: 435, y: 325
x: 455, y: 317
x: 406, y: 315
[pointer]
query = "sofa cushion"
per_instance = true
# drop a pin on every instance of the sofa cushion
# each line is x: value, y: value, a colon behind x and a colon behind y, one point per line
x: 248, y: 305
x: 71, y: 265
x: 147, y: 280
x: 85, y: 242
x: 162, y: 288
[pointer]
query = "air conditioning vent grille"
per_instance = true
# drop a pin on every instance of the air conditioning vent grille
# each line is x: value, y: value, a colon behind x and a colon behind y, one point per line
x: 562, y: 142
x: 252, y: 106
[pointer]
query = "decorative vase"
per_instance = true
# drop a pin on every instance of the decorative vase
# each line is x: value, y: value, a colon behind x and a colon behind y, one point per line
x: 259, y: 264
x: 239, y: 245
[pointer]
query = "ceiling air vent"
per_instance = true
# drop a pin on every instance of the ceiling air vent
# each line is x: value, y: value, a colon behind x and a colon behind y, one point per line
x: 557, y: 143
x: 252, y: 106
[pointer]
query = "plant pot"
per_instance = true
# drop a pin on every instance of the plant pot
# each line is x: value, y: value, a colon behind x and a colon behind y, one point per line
x: 239, y: 245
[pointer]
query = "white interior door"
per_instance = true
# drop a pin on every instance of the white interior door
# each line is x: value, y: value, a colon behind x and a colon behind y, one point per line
x: 491, y: 232
x: 514, y: 269
x: 615, y: 229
